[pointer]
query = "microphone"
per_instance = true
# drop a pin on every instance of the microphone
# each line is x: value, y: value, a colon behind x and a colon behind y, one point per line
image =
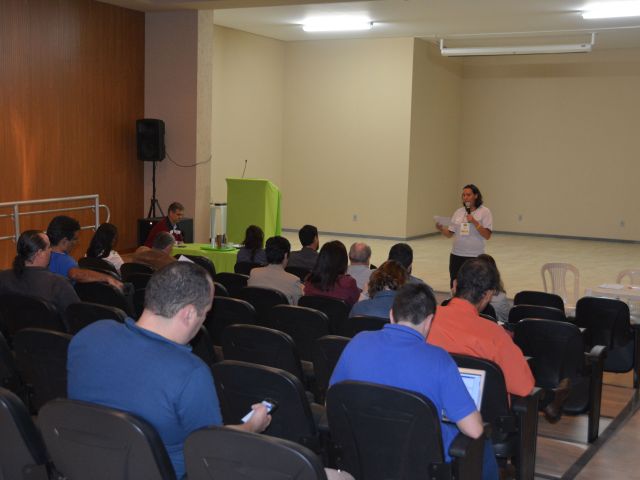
x: 245, y: 168
x: 467, y: 207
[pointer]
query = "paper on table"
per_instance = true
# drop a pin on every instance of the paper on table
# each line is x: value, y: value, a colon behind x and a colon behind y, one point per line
x: 182, y: 258
x: 444, y: 221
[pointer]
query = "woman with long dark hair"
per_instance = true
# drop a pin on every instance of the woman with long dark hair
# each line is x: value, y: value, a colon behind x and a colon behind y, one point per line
x: 252, y: 250
x: 328, y: 278
x: 103, y: 243
x: 471, y: 225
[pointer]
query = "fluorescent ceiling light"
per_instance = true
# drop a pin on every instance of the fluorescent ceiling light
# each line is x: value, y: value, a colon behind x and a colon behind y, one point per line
x: 611, y: 10
x: 516, y: 50
x: 338, y: 23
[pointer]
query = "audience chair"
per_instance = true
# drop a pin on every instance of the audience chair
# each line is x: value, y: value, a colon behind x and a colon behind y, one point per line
x: 633, y: 274
x: 337, y: 311
x: 245, y: 268
x: 233, y: 282
x: 554, y: 280
x: 241, y: 384
x: 361, y: 323
x: 261, y: 345
x: 202, y: 346
x: 98, y: 265
x: 139, y: 282
x: 228, y: 311
x: 543, y: 299
x: 41, y: 358
x: 558, y: 352
x: 607, y: 322
x: 9, y: 375
x: 26, y: 311
x: 326, y: 353
x: 79, y: 315
x: 91, y: 441
x: 299, y: 272
x: 218, y: 452
x: 304, y: 325
x: 23, y: 455
x: 263, y: 299
x: 105, y: 294
x: 518, y: 312
x: 204, y: 262
x: 384, y: 432
x: 221, y: 290
x: 131, y: 267
x: 514, y: 426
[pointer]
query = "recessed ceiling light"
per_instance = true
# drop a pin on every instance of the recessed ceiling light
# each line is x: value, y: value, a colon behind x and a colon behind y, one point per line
x: 611, y: 10
x: 339, y: 23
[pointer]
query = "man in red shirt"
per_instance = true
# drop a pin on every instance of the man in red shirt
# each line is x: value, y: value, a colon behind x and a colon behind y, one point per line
x: 458, y: 328
x: 168, y: 224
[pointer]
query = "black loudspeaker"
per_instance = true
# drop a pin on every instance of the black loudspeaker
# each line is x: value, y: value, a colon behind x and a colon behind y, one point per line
x: 150, y: 139
x: 146, y: 224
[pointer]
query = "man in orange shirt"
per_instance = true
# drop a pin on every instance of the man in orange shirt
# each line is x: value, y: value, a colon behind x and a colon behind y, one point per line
x: 458, y: 328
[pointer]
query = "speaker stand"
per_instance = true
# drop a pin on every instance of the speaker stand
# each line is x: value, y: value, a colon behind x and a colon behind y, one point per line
x: 154, y: 200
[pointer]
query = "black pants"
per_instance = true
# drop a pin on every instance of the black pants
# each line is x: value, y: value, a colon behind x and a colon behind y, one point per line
x: 455, y: 262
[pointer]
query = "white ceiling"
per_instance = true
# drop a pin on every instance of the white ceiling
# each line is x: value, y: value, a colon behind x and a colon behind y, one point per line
x: 458, y: 21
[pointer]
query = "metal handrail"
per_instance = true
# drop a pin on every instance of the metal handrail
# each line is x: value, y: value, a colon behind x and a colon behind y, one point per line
x: 17, y: 213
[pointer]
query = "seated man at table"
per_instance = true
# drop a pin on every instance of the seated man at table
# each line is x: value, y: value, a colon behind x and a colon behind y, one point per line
x: 168, y: 224
x: 398, y: 356
x: 306, y: 257
x: 273, y: 275
x: 159, y: 255
x: 64, y: 234
x: 147, y: 368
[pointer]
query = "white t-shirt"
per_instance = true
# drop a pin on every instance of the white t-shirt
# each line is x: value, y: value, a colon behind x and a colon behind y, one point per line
x: 114, y: 259
x: 467, y: 241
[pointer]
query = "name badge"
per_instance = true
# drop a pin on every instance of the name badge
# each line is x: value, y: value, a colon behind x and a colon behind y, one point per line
x: 465, y: 229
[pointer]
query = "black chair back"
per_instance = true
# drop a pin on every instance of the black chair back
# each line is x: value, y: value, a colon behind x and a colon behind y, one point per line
x: 41, y: 357
x: 217, y: 452
x: 299, y: 272
x: 489, y: 311
x: 9, y: 375
x: 374, y: 425
x: 263, y: 346
x: 326, y: 353
x: 263, y: 299
x: 233, y: 282
x: 23, y: 454
x: 241, y: 384
x: 337, y: 311
x: 361, y: 323
x: 92, y: 441
x: 139, y: 282
x: 221, y: 290
x: 26, y: 311
x: 204, y: 262
x: 518, y: 312
x: 543, y: 299
x: 105, y: 294
x: 131, y: 267
x: 99, y: 265
x: 245, y: 268
x: 202, y: 346
x: 228, y: 311
x: 607, y: 322
x: 304, y: 325
x: 79, y: 315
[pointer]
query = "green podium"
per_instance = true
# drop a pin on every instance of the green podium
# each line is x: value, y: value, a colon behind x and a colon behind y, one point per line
x: 252, y: 201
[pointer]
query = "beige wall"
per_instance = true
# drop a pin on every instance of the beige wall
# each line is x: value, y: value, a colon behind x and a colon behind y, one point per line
x: 248, y: 103
x: 346, y: 145
x: 435, y: 130
x: 555, y: 139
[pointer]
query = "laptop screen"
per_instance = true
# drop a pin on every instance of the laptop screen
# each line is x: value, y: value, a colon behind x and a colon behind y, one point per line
x: 474, y: 381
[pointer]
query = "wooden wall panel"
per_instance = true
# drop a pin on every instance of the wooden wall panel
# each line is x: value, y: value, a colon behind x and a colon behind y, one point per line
x: 71, y: 89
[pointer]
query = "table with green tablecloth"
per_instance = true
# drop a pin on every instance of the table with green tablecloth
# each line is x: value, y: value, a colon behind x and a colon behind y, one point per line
x: 223, y: 259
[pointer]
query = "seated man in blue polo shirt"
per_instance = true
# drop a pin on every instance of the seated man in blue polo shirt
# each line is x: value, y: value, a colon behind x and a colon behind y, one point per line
x: 147, y: 368
x: 398, y: 356
x: 63, y: 234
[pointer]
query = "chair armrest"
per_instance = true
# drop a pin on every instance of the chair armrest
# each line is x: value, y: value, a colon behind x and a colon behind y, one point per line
x: 467, y: 456
x: 595, y: 359
x: 526, y: 413
x: 597, y: 354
